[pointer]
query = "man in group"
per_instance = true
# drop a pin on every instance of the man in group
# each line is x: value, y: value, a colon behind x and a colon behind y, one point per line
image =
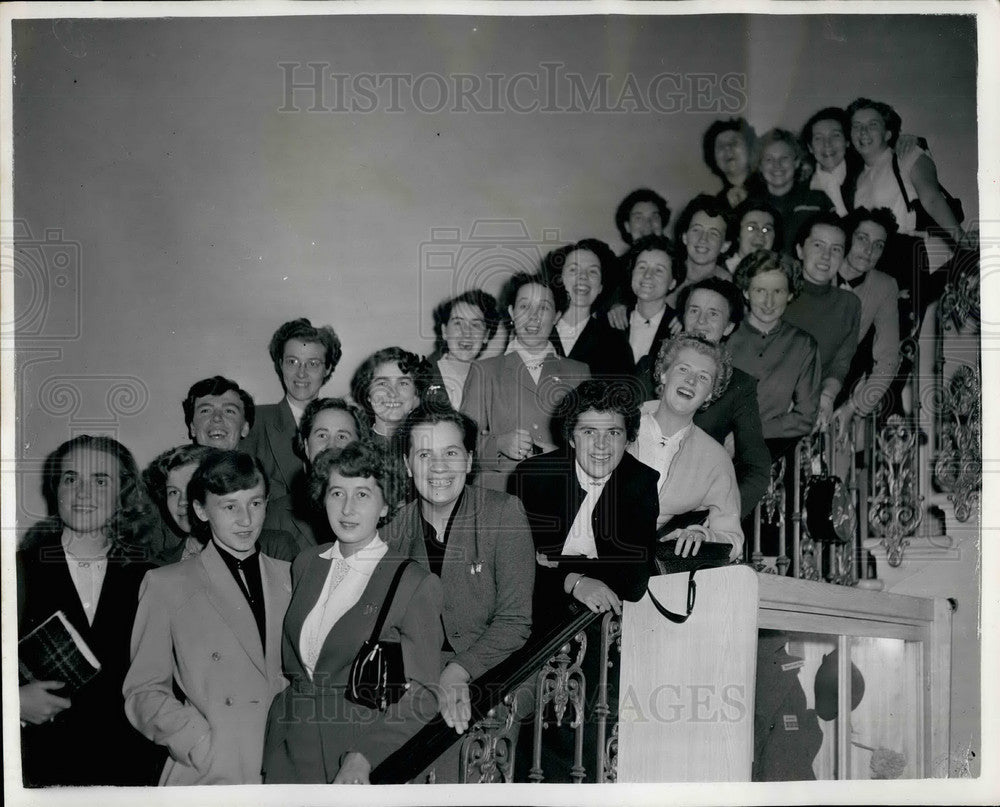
x: 218, y: 413
x: 713, y: 308
x: 829, y: 314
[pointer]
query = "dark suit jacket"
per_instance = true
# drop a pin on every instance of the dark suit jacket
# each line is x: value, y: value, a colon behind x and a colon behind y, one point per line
x: 91, y: 743
x: 644, y: 367
x: 294, y: 517
x: 736, y: 411
x: 624, y: 524
x: 605, y: 350
x: 311, y: 724
x: 487, y: 574
x: 272, y: 441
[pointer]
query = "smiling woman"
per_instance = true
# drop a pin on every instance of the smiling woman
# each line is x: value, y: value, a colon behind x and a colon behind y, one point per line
x: 695, y: 472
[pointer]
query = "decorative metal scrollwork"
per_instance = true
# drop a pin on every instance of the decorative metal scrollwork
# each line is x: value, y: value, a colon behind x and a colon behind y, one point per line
x: 611, y: 638
x: 562, y: 684
x: 611, y: 756
x: 895, y: 505
x: 487, y: 754
x: 958, y: 470
x: 772, y: 513
x: 960, y: 301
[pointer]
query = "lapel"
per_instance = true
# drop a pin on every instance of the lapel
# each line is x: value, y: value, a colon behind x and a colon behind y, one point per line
x: 280, y: 434
x: 560, y: 490
x: 276, y: 598
x: 52, y: 562
x: 226, y: 597
x: 460, y: 550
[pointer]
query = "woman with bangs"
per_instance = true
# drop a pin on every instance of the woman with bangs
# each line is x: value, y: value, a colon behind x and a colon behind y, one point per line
x: 695, y: 472
x: 463, y: 326
x: 586, y: 271
x: 315, y: 735
x: 166, y: 479
x: 87, y: 561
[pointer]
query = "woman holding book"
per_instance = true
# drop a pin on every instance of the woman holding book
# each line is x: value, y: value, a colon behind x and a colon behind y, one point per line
x: 84, y: 561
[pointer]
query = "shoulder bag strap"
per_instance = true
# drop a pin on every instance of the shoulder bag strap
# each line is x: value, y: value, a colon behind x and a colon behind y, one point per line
x: 390, y: 594
x: 902, y: 185
x: 678, y: 619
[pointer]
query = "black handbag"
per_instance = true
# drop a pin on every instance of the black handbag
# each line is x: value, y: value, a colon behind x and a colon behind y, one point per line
x: 377, y: 678
x: 710, y: 555
x: 830, y: 517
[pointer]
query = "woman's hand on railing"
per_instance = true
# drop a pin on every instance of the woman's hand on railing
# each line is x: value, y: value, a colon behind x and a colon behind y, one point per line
x: 825, y: 413
x: 453, y: 697
x: 842, y: 420
x: 354, y: 770
x: 595, y: 595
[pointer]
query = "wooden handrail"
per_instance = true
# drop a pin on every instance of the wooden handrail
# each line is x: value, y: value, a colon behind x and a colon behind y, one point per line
x: 486, y: 692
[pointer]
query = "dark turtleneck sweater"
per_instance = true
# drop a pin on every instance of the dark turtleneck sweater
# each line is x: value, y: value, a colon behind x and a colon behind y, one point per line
x: 832, y: 317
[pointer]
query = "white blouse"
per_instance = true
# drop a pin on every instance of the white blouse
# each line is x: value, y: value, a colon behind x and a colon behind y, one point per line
x: 345, y: 583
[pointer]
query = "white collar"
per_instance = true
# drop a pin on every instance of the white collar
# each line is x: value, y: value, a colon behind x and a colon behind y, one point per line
x: 363, y: 560
x: 588, y: 482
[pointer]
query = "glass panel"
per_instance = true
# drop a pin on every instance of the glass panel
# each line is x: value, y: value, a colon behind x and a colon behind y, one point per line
x: 793, y: 739
x: 886, y: 724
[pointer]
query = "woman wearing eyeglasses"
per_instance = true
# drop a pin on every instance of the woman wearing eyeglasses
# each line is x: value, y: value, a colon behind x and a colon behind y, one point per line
x: 304, y: 358
x: 758, y: 226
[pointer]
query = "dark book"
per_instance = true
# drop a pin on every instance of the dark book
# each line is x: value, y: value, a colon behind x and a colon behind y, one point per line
x: 55, y: 651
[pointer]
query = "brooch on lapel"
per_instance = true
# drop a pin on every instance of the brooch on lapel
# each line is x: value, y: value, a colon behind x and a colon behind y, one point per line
x: 476, y: 568
x: 370, y: 608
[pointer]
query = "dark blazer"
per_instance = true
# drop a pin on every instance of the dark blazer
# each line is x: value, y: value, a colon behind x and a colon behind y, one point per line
x: 272, y: 441
x: 644, y: 367
x: 92, y: 742
x: 737, y: 411
x: 488, y: 574
x: 293, y: 516
x: 311, y: 724
x: 605, y: 350
x: 624, y: 524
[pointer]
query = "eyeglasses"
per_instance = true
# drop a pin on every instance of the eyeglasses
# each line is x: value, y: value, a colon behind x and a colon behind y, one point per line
x: 312, y: 365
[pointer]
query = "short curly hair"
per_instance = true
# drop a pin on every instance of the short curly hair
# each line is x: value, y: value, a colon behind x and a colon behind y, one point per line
x: 409, y: 364
x: 432, y: 414
x: 893, y: 122
x: 739, y: 125
x: 600, y: 395
x: 724, y: 288
x: 217, y: 385
x: 363, y: 458
x: 518, y: 281
x: 767, y: 260
x: 304, y: 331
x: 477, y: 298
x: 660, y: 243
x: 670, y: 349
x: 312, y: 410
x: 882, y: 216
x: 834, y: 113
x: 555, y: 261
x: 753, y: 205
x: 773, y: 136
x: 624, y: 210
x: 156, y: 473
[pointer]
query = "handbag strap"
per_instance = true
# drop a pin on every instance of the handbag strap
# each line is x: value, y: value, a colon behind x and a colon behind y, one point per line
x: 902, y: 186
x: 676, y: 618
x: 390, y: 594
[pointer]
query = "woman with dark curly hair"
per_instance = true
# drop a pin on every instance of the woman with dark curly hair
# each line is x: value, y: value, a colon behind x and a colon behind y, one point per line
x: 726, y: 148
x: 586, y: 271
x: 463, y: 326
x: 315, y: 734
x: 784, y: 359
x: 304, y: 358
x: 695, y: 472
x: 85, y: 560
x: 386, y: 387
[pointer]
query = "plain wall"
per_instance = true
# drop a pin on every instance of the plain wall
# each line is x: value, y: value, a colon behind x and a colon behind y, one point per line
x: 169, y: 216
